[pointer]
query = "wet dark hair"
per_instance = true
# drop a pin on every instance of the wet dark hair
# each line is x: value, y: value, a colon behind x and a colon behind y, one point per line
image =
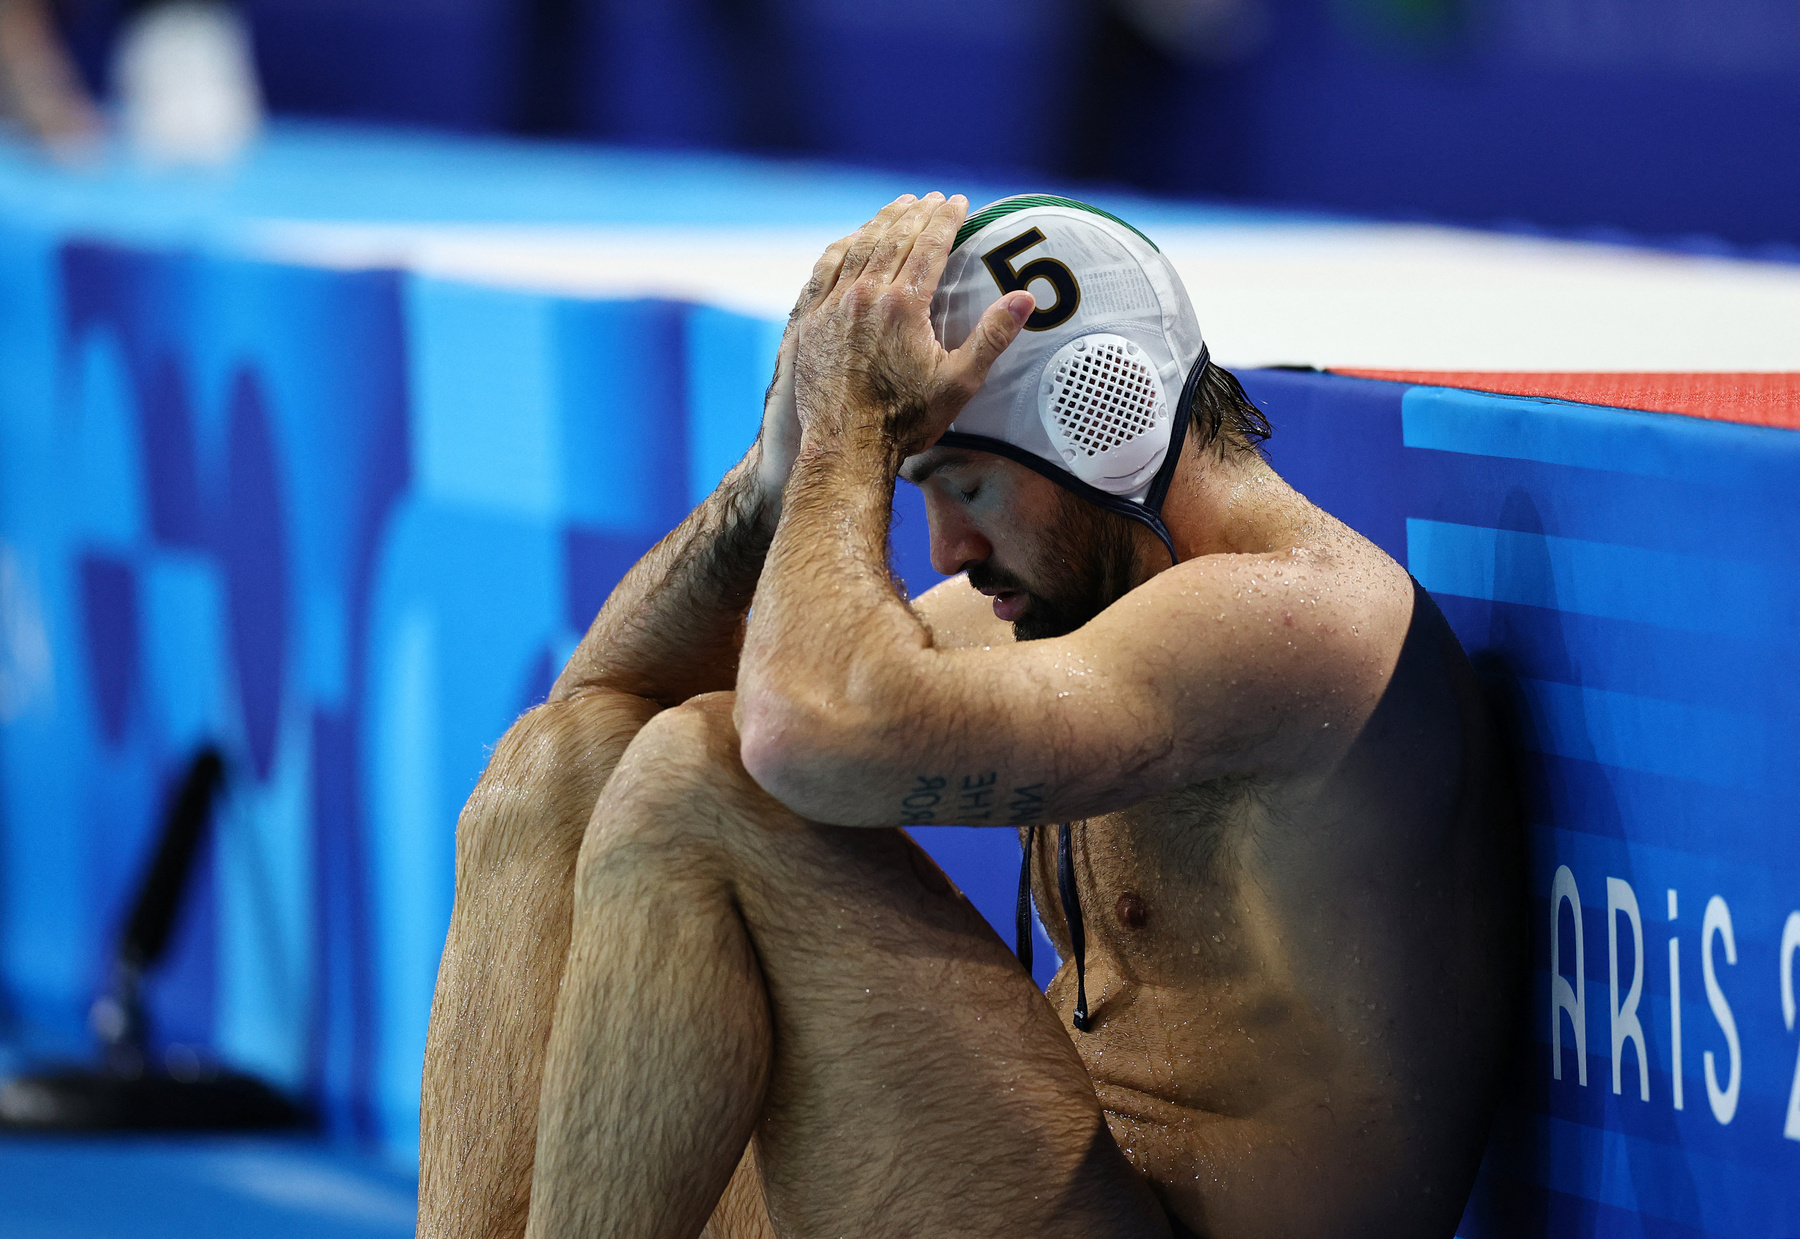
x: 1224, y: 416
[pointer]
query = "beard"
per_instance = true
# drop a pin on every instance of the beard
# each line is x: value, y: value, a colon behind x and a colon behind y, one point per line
x: 1084, y: 566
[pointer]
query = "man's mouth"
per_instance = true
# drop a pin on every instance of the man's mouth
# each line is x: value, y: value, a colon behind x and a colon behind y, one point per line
x: 1009, y: 604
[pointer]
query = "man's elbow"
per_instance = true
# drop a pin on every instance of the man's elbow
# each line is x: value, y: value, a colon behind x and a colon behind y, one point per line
x: 804, y: 753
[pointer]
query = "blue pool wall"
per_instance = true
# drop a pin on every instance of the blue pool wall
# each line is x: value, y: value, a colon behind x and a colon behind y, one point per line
x: 349, y: 524
x: 1624, y: 583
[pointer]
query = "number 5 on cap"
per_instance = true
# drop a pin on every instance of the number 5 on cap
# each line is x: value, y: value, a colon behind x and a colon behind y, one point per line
x: 1068, y: 292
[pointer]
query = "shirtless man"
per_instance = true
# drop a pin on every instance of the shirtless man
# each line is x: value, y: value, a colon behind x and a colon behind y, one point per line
x: 1287, y: 850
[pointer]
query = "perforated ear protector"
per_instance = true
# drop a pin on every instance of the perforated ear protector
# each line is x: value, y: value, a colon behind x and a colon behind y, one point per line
x: 1103, y: 408
x: 1096, y: 392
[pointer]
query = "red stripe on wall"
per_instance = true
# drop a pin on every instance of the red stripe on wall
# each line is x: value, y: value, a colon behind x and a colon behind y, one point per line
x: 1768, y: 399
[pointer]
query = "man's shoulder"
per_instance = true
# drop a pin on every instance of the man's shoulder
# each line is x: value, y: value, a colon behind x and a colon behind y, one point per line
x: 960, y: 617
x: 1287, y: 654
x: 1349, y: 589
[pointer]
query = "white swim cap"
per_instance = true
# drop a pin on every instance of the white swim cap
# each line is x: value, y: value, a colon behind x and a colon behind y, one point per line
x: 1095, y: 392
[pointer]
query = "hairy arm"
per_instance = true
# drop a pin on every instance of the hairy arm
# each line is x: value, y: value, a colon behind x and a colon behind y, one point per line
x: 1239, y: 664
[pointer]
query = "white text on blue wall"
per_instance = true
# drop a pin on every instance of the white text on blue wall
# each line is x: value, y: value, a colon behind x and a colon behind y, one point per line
x: 1721, y: 1072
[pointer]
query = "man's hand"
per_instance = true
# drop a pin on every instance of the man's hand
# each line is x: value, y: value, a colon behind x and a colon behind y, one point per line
x: 778, y: 443
x: 868, y: 372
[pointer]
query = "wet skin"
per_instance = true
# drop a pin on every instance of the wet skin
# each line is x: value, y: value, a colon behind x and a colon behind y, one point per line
x: 1298, y: 985
x: 1325, y: 961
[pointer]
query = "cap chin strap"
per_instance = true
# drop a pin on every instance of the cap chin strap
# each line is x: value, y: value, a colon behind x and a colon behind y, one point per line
x: 1147, y: 513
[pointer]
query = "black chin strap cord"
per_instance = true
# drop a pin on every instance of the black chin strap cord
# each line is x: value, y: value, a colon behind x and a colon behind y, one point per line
x: 1071, y: 902
x: 1022, y: 912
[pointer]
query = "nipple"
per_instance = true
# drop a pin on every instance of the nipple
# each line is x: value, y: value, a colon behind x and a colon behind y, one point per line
x: 1131, y: 911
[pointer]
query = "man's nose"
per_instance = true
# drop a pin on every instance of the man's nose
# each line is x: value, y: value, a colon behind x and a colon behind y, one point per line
x: 955, y: 541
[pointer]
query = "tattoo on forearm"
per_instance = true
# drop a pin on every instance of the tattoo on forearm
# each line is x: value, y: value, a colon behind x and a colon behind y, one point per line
x: 920, y: 807
x: 975, y: 797
x: 968, y: 800
x: 1026, y: 805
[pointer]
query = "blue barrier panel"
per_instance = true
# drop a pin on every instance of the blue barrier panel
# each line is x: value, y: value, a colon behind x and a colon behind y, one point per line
x: 1624, y: 583
x: 195, y: 509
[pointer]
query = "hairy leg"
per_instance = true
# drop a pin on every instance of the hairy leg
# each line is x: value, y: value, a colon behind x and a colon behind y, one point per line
x: 735, y: 969
x: 516, y: 843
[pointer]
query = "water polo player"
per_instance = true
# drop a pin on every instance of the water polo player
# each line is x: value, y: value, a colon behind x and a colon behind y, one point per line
x: 1261, y: 809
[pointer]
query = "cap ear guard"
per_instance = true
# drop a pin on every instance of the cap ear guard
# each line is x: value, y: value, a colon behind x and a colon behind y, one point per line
x: 1102, y: 405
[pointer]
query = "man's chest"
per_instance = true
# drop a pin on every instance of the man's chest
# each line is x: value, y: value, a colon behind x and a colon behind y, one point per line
x: 1162, y: 886
x: 1191, y: 991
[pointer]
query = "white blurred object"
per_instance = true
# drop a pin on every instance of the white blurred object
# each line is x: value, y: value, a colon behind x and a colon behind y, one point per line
x: 187, y: 84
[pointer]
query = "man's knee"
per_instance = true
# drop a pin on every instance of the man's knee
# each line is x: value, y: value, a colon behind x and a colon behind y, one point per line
x: 686, y: 758
x: 538, y: 791
x: 681, y: 799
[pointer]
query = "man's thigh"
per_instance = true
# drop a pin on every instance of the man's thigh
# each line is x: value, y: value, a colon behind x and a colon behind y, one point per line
x: 920, y: 1082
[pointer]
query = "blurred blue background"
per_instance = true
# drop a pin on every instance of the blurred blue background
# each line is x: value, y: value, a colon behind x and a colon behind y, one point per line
x: 1666, y: 118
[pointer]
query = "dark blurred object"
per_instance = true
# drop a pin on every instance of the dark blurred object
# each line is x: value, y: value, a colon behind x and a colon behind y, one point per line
x: 1121, y: 71
x: 128, y: 1092
x: 76, y: 1099
x: 715, y: 73
x: 1214, y: 32
x: 40, y: 89
x: 548, y: 99
x: 1173, y: 67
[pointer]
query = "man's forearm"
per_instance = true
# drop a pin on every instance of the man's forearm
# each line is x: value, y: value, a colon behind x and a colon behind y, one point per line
x: 673, y: 626
x: 831, y: 550
x: 828, y: 574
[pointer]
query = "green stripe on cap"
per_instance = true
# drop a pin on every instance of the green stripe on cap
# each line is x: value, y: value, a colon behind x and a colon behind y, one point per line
x: 1020, y: 202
